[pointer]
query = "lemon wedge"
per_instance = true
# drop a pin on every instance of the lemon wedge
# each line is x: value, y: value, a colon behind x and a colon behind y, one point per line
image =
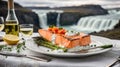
x: 11, y: 39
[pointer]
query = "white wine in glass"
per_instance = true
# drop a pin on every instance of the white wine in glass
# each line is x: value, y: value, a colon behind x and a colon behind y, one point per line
x: 1, y: 24
x: 26, y: 30
x: 1, y: 27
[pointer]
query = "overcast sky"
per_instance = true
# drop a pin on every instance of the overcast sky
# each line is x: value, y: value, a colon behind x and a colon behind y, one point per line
x: 58, y: 3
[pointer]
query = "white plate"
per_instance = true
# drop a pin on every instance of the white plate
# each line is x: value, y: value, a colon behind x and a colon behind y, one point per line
x: 30, y: 44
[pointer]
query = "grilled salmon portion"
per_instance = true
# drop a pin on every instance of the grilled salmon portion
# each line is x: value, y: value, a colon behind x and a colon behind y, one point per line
x: 65, y: 40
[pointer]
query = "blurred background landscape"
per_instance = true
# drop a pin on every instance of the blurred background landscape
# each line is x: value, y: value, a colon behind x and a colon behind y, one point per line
x: 96, y: 17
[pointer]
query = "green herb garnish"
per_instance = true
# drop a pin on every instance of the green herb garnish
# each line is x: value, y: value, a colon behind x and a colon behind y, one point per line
x: 5, y: 47
x: 51, y: 26
x: 106, y: 46
x: 60, y: 28
x: 19, y: 47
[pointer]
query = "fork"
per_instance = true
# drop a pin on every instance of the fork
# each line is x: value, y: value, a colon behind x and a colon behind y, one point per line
x: 45, y: 59
x: 115, y: 62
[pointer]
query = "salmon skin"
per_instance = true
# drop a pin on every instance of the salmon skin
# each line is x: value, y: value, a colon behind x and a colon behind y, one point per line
x: 64, y: 40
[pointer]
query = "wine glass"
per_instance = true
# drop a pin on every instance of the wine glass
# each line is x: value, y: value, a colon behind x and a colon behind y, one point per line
x: 26, y: 30
x: 1, y: 25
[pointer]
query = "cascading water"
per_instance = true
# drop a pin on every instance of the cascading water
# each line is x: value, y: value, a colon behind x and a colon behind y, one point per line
x: 88, y: 25
x: 42, y: 14
x: 42, y: 18
x: 85, y: 24
x: 96, y: 23
x: 58, y: 20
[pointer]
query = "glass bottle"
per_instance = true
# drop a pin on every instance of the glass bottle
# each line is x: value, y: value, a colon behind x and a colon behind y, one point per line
x: 11, y: 24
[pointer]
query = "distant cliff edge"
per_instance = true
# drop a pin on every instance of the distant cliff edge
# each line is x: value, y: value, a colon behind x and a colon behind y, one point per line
x: 72, y: 14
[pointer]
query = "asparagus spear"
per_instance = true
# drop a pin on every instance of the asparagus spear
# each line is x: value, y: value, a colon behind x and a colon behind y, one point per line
x: 106, y: 46
x: 43, y: 42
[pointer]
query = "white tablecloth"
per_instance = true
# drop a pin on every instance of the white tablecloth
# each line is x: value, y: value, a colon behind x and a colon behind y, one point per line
x: 100, y: 60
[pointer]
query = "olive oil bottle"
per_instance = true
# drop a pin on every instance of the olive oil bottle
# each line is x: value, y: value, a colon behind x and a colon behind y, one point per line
x: 11, y: 24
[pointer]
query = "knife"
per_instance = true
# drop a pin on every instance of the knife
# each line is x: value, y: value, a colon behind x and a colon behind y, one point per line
x: 45, y: 59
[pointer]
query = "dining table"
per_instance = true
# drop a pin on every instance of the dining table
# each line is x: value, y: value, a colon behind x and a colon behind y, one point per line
x: 98, y: 60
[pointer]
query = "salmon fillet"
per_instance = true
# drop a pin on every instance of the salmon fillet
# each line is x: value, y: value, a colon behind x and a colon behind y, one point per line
x: 66, y: 41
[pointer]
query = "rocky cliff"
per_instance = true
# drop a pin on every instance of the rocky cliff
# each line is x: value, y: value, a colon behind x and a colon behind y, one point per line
x: 72, y: 14
x: 24, y: 15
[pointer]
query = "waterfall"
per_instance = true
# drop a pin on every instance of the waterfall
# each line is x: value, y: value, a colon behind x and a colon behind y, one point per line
x: 58, y: 20
x: 84, y: 21
x: 96, y: 23
x: 42, y: 18
x: 89, y: 24
x: 85, y: 24
x: 42, y: 14
x: 106, y: 26
x: 113, y: 24
x: 103, y: 22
